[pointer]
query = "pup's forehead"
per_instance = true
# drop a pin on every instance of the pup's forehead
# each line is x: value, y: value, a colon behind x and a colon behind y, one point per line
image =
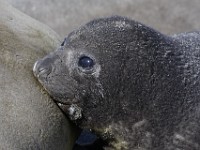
x: 103, y: 35
x: 122, y: 24
x: 104, y: 26
x: 113, y: 22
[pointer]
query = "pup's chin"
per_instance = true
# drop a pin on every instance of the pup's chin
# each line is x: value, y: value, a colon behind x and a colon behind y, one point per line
x: 73, y: 111
x: 63, y: 107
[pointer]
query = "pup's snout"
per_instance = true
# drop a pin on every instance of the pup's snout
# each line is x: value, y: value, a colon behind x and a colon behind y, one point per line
x: 35, y: 68
x: 42, y: 67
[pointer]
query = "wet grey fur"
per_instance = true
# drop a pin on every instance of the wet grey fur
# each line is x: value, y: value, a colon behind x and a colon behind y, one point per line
x: 143, y: 92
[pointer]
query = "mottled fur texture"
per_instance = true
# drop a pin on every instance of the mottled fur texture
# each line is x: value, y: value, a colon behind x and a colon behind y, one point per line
x: 143, y: 92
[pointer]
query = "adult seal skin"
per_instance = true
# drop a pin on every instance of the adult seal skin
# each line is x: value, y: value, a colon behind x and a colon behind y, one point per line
x: 29, y: 118
x: 135, y: 87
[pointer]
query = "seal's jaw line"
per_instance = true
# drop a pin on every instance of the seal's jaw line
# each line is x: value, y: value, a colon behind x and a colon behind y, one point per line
x: 63, y: 107
x: 65, y: 101
x: 68, y: 102
x: 72, y: 110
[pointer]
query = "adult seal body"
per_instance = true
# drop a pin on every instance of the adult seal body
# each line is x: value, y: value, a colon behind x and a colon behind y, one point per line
x: 29, y: 118
x: 135, y: 87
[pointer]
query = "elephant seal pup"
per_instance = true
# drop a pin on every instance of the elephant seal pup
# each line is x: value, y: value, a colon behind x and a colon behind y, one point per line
x: 135, y: 87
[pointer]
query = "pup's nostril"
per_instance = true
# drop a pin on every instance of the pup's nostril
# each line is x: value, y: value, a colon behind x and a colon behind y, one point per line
x: 42, y: 67
x: 42, y: 70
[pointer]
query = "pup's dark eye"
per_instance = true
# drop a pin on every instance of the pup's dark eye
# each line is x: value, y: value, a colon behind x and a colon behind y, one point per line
x: 86, y: 62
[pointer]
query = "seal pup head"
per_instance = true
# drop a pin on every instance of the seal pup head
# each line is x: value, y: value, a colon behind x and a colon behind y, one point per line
x: 102, y: 74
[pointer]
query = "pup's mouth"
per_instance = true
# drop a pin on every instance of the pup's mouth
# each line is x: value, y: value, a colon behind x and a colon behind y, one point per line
x: 72, y: 110
x: 63, y: 107
x: 70, y: 105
